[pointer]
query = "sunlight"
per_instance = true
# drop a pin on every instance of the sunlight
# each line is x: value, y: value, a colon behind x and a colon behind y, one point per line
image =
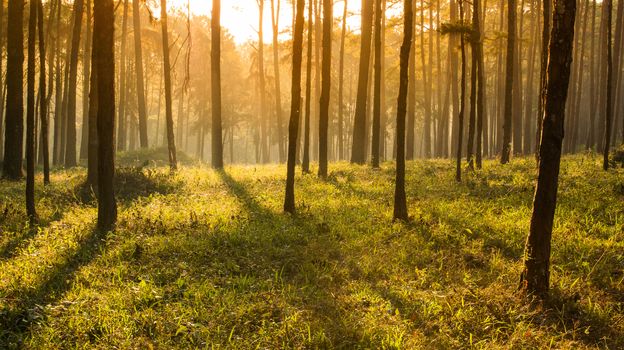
x: 240, y: 17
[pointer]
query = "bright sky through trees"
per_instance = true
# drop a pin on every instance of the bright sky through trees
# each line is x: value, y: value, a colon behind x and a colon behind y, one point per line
x: 240, y: 17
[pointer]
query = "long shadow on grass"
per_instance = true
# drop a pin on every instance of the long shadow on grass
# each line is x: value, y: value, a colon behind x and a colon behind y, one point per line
x: 298, y: 247
x: 25, y: 307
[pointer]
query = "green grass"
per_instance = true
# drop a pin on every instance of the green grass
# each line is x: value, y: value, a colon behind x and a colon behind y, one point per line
x: 206, y: 259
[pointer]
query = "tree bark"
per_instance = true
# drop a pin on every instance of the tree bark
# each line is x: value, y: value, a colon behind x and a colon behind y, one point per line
x: 14, y: 122
x: 328, y: 19
x: 305, y: 164
x: 546, y: 27
x: 358, y: 151
x: 121, y: 109
x: 509, y: 78
x: 341, y: 111
x: 30, y: 114
x: 217, y: 137
x: 173, y: 163
x: 278, y: 90
x: 140, y: 80
x: 103, y: 47
x: 86, y: 69
x: 400, y: 201
x: 70, y: 142
x: 536, y: 274
x: 462, y: 104
x: 43, y: 102
x: 295, y: 108
x: 608, y: 4
x: 377, y: 93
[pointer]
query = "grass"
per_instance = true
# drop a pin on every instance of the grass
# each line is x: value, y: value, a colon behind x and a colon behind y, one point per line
x: 207, y: 259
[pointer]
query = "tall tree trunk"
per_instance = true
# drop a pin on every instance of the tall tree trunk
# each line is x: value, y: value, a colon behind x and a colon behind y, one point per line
x: 535, y: 277
x: 265, y: 136
x: 454, y: 71
x: 400, y: 201
x: 58, y: 98
x: 14, y: 122
x: 275, y: 12
x: 481, y: 111
x: 103, y: 47
x: 358, y: 151
x: 43, y: 102
x: 173, y: 163
x: 460, y: 114
x: 121, y: 109
x: 579, y: 93
x: 305, y: 165
x: 528, y: 101
x: 608, y: 4
x: 217, y: 137
x: 86, y: 72
x: 295, y: 108
x: 509, y: 78
x: 426, y: 86
x: 30, y: 114
x: 140, y: 80
x: 341, y: 111
x: 70, y: 143
x: 411, y: 98
x: 377, y: 93
x: 328, y: 19
x: 2, y: 85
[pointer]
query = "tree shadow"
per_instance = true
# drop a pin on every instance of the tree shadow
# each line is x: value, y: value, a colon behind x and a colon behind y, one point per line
x: 27, y: 306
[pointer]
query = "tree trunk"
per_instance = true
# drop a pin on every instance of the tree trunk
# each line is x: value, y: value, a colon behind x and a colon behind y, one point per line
x: 70, y: 141
x: 305, y: 164
x: 341, y: 85
x: 377, y: 93
x: 608, y: 4
x: 295, y: 108
x: 462, y: 104
x: 278, y: 90
x: 426, y: 86
x: 400, y: 201
x: 328, y: 18
x: 92, y: 157
x: 30, y: 114
x: 265, y: 136
x: 14, y: 122
x: 217, y: 137
x: 358, y: 151
x: 173, y: 163
x: 86, y: 69
x: 140, y: 82
x: 509, y: 78
x: 43, y: 102
x: 535, y: 277
x: 103, y: 47
x: 411, y: 98
x: 2, y: 85
x: 121, y: 114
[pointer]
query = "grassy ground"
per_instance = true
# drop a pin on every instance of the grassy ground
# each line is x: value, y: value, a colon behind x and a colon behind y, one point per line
x: 207, y: 259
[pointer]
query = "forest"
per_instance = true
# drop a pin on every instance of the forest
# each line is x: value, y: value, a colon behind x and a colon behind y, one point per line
x: 312, y: 174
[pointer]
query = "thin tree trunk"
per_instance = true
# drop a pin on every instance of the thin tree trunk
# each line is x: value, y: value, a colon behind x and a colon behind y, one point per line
x: 305, y: 165
x: 546, y: 25
x: 140, y: 82
x: 217, y: 137
x: 427, y: 87
x: 400, y: 201
x: 358, y: 150
x: 173, y: 163
x: 295, y: 108
x: 511, y: 46
x: 377, y: 82
x: 43, y: 102
x: 341, y: 112
x: 535, y: 277
x: 411, y: 98
x: 70, y: 143
x: 460, y: 115
x: 328, y: 18
x: 30, y: 114
x: 275, y: 11
x: 121, y: 114
x: 86, y: 72
x: 608, y: 4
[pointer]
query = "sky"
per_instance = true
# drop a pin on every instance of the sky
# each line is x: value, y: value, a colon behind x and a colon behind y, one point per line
x: 240, y: 17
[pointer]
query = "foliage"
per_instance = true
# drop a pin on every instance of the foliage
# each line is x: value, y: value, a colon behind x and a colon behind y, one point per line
x: 209, y: 259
